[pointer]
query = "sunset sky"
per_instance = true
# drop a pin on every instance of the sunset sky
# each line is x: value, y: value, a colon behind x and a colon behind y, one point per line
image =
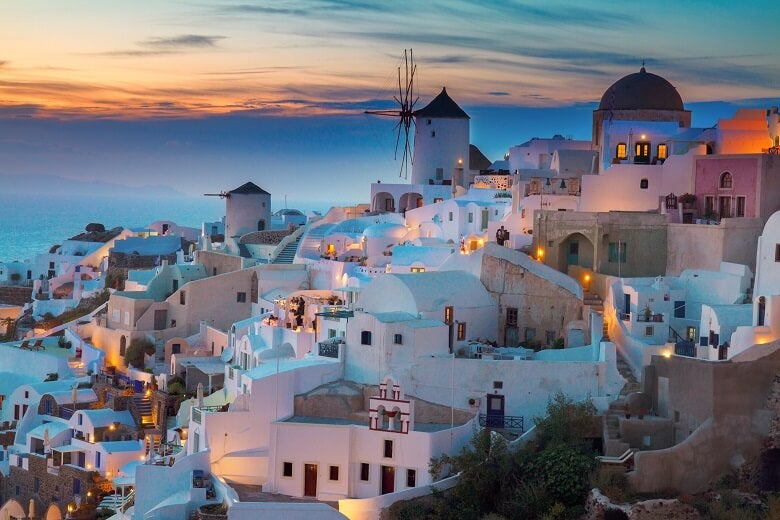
x: 203, y: 95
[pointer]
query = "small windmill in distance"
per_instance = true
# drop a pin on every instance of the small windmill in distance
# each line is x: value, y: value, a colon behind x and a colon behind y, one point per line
x: 406, y: 100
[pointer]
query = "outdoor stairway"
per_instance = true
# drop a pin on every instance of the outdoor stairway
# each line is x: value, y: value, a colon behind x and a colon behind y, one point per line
x: 143, y: 405
x: 287, y: 254
x: 613, y: 445
x: 312, y: 240
x: 77, y: 367
x: 593, y: 302
x: 156, y: 440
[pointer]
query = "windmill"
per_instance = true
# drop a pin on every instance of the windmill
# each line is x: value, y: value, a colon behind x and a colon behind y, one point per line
x: 221, y: 195
x: 404, y: 113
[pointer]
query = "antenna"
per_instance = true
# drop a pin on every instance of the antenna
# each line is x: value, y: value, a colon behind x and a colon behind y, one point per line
x: 406, y: 100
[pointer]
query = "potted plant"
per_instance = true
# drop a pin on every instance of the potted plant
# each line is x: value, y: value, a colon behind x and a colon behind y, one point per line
x: 647, y: 312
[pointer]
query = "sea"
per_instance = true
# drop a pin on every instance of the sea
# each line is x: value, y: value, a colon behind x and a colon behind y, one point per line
x: 31, y: 224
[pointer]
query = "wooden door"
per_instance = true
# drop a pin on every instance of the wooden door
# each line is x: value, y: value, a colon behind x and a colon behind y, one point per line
x: 388, y: 479
x: 310, y: 480
x: 495, y: 411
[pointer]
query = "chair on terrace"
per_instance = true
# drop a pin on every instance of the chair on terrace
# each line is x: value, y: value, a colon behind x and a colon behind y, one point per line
x: 38, y: 345
x: 25, y: 344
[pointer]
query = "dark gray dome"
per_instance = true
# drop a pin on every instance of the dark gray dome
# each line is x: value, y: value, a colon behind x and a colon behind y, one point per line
x: 641, y: 91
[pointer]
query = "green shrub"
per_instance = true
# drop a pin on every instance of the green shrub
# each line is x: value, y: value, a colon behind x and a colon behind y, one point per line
x: 134, y: 354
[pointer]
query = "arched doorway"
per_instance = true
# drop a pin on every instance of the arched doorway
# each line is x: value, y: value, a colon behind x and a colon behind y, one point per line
x: 383, y: 202
x: 53, y: 513
x: 577, y: 249
x: 122, y: 345
x: 410, y: 200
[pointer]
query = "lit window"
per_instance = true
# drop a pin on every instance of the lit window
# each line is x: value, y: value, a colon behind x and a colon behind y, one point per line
x: 726, y: 180
x: 333, y: 472
x: 287, y: 469
x: 418, y: 269
x: 461, y: 331
x: 621, y: 151
x: 448, y: 314
x: 642, y: 150
x: 662, y: 152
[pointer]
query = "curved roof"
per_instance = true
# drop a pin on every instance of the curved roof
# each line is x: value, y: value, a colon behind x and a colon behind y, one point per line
x: 442, y: 106
x: 641, y: 90
x: 385, y: 229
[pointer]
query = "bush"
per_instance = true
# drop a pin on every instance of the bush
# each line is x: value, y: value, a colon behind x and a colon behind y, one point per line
x: 134, y: 354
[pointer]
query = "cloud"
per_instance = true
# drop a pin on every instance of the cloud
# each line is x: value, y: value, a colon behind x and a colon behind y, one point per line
x: 310, y: 8
x: 183, y: 41
x: 498, y: 93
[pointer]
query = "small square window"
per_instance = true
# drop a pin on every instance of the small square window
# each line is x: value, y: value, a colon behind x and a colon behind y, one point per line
x: 241, y: 297
x: 287, y: 469
x: 433, y: 133
x: 498, y: 385
x: 398, y: 339
x: 333, y: 472
x: 173, y: 323
x: 643, y: 184
x: 388, y: 453
x: 649, y: 330
x: 365, y: 337
x: 411, y: 478
x: 364, y: 471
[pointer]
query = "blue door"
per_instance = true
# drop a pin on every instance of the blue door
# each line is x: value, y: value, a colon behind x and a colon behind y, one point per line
x: 573, y: 258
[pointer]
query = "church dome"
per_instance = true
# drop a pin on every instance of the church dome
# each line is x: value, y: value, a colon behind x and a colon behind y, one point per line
x: 641, y: 91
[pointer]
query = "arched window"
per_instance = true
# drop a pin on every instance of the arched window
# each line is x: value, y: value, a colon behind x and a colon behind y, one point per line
x: 122, y: 345
x: 725, y: 180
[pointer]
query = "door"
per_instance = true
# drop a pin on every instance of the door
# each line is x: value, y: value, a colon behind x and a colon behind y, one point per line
x: 512, y: 336
x: 388, y: 479
x: 82, y: 460
x: 495, y: 411
x: 627, y: 303
x: 485, y: 218
x: 310, y: 480
x: 574, y: 253
x: 724, y: 207
x: 160, y: 319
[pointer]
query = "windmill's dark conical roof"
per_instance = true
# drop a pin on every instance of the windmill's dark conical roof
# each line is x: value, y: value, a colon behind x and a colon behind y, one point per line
x: 442, y: 106
x: 641, y: 91
x: 249, y: 188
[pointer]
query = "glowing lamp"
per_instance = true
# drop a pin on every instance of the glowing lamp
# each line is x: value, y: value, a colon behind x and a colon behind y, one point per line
x: 587, y: 277
x: 539, y: 253
x: 460, y: 162
x: 643, y: 136
x: 667, y: 354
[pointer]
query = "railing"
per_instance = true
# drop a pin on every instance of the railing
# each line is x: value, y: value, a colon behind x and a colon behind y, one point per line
x: 330, y: 350
x: 65, y: 413
x: 685, y: 348
x: 505, y: 422
x: 197, y: 412
x: 657, y: 318
x: 168, y: 448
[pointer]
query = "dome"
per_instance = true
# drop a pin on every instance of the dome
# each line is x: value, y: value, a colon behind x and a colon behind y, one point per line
x: 641, y: 90
x: 387, y: 229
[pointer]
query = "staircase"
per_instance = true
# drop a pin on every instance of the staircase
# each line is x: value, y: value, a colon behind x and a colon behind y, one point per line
x: 143, y: 406
x: 593, y: 303
x: 77, y: 367
x: 312, y: 240
x: 287, y: 254
x: 613, y: 445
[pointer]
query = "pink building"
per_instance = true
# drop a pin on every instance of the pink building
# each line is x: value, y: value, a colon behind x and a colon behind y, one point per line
x: 744, y: 185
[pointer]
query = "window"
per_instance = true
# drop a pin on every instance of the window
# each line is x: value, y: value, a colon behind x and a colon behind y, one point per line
x: 661, y: 153
x: 642, y: 152
x: 398, y: 339
x: 450, y: 216
x: 173, y: 323
x: 214, y: 272
x: 649, y: 330
x: 97, y: 459
x: 287, y: 468
x: 76, y: 486
x: 122, y: 345
x: 549, y: 336
x: 365, y: 337
x: 726, y: 181
x: 241, y: 297
x: 617, y: 252
x: 51, y: 265
x: 530, y: 333
x: 388, y: 453
x: 709, y: 205
x: 621, y: 151
x: 176, y: 348
x: 471, y: 217
x: 364, y: 471
x: 498, y: 385
x: 511, y: 316
x: 448, y: 314
x: 411, y: 478
x: 331, y: 333
x: 461, y: 331
x: 439, y: 173
x: 437, y: 199
x: 433, y: 133
x: 740, y: 207
x: 182, y: 297
x: 37, y: 484
x: 777, y: 252
x: 333, y: 472
x: 679, y: 309
x: 643, y: 184
x: 522, y: 213
x: 418, y: 269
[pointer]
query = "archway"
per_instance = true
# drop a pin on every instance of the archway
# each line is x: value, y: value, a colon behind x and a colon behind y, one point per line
x: 53, y: 513
x: 383, y: 202
x: 576, y: 249
x: 14, y: 509
x: 410, y: 200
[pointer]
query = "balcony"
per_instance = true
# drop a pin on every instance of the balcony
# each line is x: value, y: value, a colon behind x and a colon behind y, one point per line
x: 650, y: 318
x: 198, y: 411
x: 502, y: 422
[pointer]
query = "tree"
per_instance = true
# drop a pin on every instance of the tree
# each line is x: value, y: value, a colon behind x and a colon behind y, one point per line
x: 134, y: 354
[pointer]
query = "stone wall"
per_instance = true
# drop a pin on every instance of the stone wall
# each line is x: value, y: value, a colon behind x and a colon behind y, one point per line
x: 14, y: 295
